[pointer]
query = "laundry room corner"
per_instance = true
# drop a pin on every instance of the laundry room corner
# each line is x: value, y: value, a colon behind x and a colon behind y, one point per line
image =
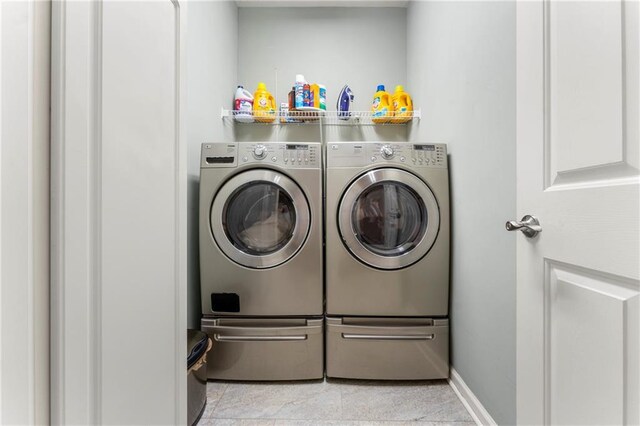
x: 213, y: 28
x: 461, y: 66
x: 319, y: 212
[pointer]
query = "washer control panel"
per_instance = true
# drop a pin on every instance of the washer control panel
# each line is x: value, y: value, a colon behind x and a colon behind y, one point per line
x: 348, y: 154
x: 301, y: 154
x: 286, y: 155
x: 429, y: 154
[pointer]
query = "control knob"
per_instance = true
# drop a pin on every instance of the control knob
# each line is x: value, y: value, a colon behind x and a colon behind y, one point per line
x: 260, y: 152
x: 386, y: 151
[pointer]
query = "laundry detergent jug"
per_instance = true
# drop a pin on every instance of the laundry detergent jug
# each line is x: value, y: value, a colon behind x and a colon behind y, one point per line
x: 243, y: 106
x: 381, y: 110
x: 402, y: 106
x: 264, y: 105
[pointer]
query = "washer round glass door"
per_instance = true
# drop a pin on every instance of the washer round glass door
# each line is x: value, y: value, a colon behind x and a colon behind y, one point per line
x: 388, y: 218
x: 260, y: 218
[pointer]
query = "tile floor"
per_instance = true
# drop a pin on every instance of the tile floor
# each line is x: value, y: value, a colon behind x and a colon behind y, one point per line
x: 333, y: 403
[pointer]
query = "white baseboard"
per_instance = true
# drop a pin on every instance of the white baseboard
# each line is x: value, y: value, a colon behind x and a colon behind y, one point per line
x: 473, y: 405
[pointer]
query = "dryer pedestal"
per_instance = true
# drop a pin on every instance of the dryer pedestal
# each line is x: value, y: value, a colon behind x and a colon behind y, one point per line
x: 265, y: 348
x: 387, y: 348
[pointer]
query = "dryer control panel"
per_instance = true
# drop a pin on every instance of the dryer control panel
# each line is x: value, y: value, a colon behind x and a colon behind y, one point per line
x: 298, y: 155
x: 350, y: 154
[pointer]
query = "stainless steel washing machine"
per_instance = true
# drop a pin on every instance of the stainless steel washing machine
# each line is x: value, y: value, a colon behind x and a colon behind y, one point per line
x: 261, y: 264
x: 387, y: 260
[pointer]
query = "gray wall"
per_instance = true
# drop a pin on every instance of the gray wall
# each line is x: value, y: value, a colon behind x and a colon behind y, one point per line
x: 461, y: 68
x: 361, y: 47
x: 212, y: 57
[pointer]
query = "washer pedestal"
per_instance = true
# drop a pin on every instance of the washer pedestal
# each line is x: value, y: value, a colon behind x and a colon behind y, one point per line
x: 265, y: 348
x: 388, y: 348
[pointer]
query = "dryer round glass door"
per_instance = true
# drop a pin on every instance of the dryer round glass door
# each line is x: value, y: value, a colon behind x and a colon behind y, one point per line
x: 388, y: 218
x: 260, y: 218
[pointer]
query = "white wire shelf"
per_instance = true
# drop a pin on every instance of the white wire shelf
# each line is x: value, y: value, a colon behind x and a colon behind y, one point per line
x: 332, y: 118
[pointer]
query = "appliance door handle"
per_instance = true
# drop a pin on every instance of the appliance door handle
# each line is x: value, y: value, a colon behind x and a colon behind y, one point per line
x: 400, y: 330
x: 388, y: 336
x: 266, y: 331
x: 228, y: 338
x: 226, y: 333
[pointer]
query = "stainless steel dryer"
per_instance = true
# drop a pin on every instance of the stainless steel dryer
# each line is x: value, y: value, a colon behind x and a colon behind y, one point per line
x: 261, y: 259
x: 387, y: 260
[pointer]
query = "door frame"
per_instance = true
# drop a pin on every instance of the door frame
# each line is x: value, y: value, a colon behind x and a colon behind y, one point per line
x: 24, y: 216
x: 76, y: 228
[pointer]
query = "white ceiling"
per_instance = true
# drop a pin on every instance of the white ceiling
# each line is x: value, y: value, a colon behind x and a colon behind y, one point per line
x: 322, y: 3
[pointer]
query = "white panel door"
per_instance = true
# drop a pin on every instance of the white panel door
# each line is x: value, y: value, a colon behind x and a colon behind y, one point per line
x: 119, y: 213
x: 578, y: 295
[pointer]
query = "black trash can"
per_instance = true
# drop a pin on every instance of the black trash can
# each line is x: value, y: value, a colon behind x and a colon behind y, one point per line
x: 198, y: 344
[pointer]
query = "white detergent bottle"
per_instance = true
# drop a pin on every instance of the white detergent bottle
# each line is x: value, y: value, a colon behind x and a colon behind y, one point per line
x: 243, y: 106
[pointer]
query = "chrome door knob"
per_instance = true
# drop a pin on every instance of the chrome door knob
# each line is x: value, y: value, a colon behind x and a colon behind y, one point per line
x: 529, y: 225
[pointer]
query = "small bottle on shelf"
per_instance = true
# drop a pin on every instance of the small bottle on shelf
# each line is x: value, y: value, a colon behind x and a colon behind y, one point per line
x: 322, y: 96
x: 306, y: 94
x: 299, y: 91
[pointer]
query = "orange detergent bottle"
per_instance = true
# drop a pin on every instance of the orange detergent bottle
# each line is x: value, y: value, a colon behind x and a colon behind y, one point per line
x: 264, y: 105
x: 381, y: 109
x: 402, y: 106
